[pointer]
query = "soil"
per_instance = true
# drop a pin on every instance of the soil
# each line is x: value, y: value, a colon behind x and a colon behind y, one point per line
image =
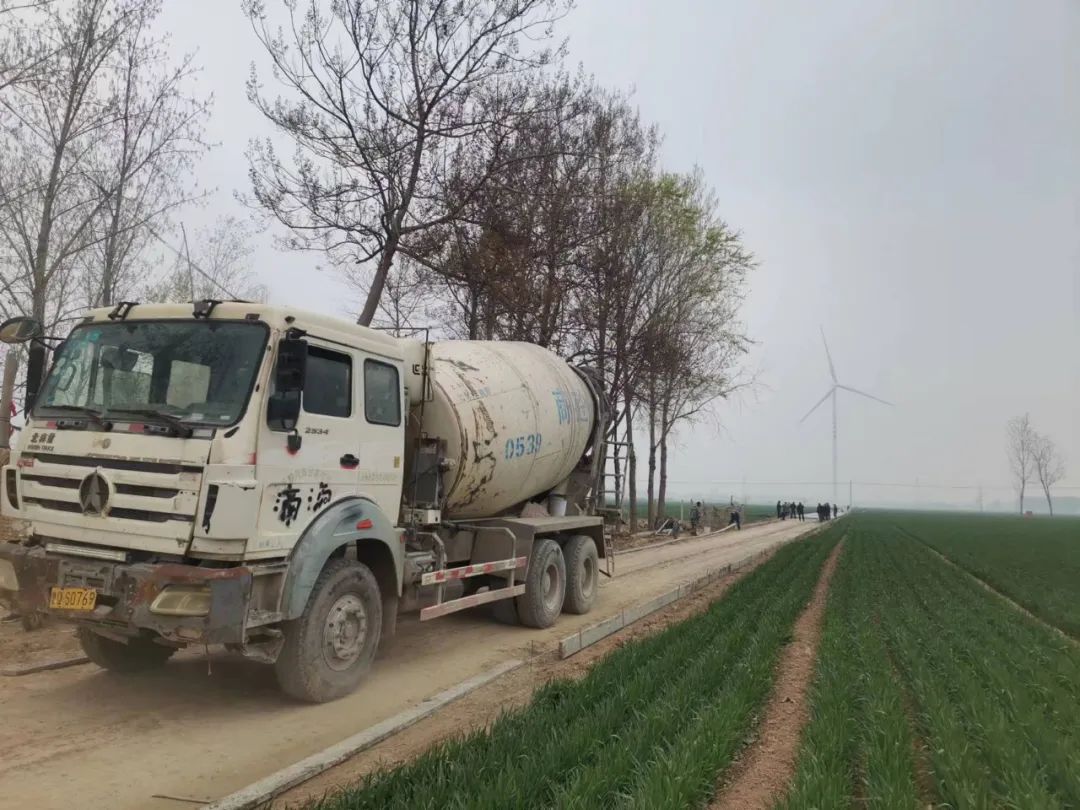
x: 211, y: 722
x: 20, y: 648
x: 766, y: 767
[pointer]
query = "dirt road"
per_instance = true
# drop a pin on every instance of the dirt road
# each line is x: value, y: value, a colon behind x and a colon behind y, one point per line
x: 202, y: 727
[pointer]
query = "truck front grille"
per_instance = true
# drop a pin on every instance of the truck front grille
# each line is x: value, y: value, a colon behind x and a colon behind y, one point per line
x: 163, y: 468
x: 149, y: 492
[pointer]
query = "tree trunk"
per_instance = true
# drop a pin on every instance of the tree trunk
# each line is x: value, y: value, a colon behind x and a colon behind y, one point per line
x: 1022, y: 487
x: 652, y: 461
x: 1049, y: 501
x: 665, y: 427
x: 661, y: 498
x: 7, y: 392
x: 631, y: 469
x: 382, y: 270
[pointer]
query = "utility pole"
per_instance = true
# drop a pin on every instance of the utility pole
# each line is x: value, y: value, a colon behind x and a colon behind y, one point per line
x: 850, y: 495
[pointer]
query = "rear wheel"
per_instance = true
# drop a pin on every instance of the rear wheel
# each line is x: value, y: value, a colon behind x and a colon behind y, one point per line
x: 582, y: 573
x: 545, y: 585
x: 329, y: 649
x: 138, y: 655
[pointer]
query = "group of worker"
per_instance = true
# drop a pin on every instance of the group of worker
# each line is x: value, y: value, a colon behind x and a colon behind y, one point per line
x: 796, y: 511
x: 824, y: 510
x: 697, y: 514
x: 790, y: 509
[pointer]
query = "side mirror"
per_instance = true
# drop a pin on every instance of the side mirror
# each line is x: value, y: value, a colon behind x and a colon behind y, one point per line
x: 283, y: 410
x: 283, y: 407
x: 20, y: 329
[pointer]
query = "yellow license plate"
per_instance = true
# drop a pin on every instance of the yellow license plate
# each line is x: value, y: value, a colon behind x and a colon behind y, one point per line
x: 72, y: 598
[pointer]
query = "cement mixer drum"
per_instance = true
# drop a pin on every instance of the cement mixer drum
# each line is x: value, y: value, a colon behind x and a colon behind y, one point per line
x: 516, y: 419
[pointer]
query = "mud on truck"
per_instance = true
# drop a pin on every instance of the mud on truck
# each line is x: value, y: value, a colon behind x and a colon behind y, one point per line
x: 285, y: 484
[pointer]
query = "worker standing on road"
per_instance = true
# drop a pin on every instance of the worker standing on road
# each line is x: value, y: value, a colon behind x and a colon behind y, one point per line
x: 835, y: 510
x: 801, y: 511
x: 778, y: 517
x: 695, y: 518
x: 736, y: 517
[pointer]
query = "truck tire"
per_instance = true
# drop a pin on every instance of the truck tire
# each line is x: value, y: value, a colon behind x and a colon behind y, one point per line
x: 582, y: 573
x: 329, y: 649
x: 545, y: 585
x: 138, y: 655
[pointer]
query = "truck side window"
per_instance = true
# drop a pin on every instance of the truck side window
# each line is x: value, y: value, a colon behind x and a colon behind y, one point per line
x: 328, y: 383
x: 382, y: 393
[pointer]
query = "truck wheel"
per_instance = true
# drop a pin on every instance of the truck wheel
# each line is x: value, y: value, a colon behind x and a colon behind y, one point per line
x: 329, y: 649
x: 582, y: 573
x: 545, y: 585
x: 138, y: 655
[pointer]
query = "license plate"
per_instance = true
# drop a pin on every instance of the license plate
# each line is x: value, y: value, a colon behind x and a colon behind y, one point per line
x: 72, y: 598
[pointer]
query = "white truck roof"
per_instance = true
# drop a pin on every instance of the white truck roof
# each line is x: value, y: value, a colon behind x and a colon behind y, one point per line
x: 279, y: 317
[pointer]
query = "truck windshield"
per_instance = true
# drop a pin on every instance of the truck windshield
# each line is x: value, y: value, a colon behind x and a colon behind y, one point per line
x: 199, y: 372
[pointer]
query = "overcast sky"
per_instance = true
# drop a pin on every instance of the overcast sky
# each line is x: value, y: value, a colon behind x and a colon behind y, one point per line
x: 906, y: 173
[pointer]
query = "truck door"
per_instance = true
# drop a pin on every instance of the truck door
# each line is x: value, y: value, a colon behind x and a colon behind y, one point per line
x: 383, y: 439
x: 300, y: 481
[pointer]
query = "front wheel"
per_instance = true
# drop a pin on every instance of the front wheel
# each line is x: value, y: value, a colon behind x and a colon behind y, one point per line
x: 329, y: 649
x: 137, y: 655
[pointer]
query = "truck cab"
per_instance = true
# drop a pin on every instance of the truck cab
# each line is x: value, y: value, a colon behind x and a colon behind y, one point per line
x: 232, y: 473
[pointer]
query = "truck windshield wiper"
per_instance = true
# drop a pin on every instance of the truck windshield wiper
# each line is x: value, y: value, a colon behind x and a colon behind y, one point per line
x: 93, y: 415
x: 183, y: 430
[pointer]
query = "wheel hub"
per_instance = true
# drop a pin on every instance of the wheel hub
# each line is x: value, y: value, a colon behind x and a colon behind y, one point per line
x: 550, y: 585
x: 588, y: 580
x: 345, y: 631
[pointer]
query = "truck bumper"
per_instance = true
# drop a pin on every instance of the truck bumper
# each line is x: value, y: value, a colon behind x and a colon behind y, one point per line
x: 126, y: 592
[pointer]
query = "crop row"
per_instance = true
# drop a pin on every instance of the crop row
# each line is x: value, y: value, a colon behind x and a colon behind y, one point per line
x: 931, y: 690
x: 651, y: 725
x: 1034, y: 561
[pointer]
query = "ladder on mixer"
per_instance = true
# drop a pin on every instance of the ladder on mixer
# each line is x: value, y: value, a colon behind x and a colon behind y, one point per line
x: 610, y: 488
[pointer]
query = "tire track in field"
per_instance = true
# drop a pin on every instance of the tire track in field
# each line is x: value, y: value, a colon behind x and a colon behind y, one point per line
x: 764, y: 772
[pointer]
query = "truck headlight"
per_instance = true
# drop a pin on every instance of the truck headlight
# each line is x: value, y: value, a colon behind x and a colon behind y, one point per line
x: 182, y: 600
x: 8, y: 580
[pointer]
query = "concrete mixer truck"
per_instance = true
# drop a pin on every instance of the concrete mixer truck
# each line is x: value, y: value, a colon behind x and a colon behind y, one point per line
x: 285, y: 484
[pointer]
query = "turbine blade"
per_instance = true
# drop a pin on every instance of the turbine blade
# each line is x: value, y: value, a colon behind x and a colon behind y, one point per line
x: 818, y: 405
x: 832, y: 370
x: 863, y: 394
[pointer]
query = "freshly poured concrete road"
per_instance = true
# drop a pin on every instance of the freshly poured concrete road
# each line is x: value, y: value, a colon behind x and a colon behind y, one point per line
x: 199, y: 730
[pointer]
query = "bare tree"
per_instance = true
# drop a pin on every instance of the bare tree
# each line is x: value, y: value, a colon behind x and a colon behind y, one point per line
x: 694, y: 342
x: 386, y: 100
x: 146, y: 161
x: 51, y: 127
x: 23, y: 53
x: 1049, y: 465
x: 1021, y: 440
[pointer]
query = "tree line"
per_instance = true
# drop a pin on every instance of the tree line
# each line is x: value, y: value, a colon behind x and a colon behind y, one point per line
x: 442, y: 157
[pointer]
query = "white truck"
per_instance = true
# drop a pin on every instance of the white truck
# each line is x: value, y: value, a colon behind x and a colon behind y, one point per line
x: 285, y: 483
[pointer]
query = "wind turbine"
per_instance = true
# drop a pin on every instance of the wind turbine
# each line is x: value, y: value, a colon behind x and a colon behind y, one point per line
x: 836, y: 384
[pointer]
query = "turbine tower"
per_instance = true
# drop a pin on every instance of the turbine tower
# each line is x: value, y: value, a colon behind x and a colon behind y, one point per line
x: 836, y: 384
